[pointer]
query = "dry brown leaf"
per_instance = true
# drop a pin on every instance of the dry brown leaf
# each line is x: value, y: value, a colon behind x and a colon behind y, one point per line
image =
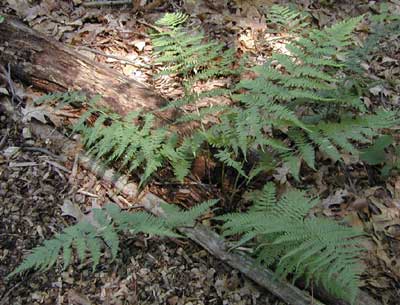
x: 337, y: 198
x: 72, y: 209
x: 77, y: 298
x: 31, y: 112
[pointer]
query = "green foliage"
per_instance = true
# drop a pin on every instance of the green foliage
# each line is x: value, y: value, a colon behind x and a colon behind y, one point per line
x: 172, y: 20
x: 316, y: 249
x: 375, y: 154
x: 308, y: 74
x: 91, y: 238
x: 1, y: 19
x: 300, y: 95
x: 381, y: 152
x: 297, y: 104
x: 131, y: 141
x: 186, y: 53
x: 287, y: 18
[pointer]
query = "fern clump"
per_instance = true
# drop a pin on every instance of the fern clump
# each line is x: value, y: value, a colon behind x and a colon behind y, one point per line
x: 301, y: 96
x: 91, y: 238
x: 132, y: 141
x: 308, y: 74
x: 316, y: 249
x: 186, y: 53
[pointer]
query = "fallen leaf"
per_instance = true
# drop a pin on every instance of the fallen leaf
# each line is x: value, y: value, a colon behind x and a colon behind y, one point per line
x: 20, y: 6
x: 281, y: 174
x: 72, y: 209
x: 78, y: 298
x: 336, y: 199
x: 30, y: 112
x: 11, y: 151
x: 139, y: 44
x: 2, y: 89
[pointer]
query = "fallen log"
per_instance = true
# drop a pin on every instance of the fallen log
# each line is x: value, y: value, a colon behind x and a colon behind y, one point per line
x: 52, y: 66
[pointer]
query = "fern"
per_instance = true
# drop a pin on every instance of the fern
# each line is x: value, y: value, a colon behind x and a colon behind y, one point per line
x: 308, y: 73
x: 308, y: 77
x: 172, y: 20
x: 92, y: 238
x: 317, y: 249
x: 286, y: 18
x: 179, y: 218
x: 187, y: 54
x: 133, y: 141
x: 385, y: 28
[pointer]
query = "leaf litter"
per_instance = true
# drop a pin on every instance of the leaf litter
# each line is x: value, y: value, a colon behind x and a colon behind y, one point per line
x: 150, y: 272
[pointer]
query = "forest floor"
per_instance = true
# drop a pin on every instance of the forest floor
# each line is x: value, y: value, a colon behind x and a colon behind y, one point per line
x: 37, y: 185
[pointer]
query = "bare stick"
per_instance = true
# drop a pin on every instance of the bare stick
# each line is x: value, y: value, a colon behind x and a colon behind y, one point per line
x: 104, y: 3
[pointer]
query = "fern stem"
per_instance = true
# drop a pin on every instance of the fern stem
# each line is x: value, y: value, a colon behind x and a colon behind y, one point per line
x: 235, y: 188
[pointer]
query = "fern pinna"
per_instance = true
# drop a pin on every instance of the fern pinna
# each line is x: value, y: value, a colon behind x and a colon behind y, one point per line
x: 316, y: 249
x: 91, y: 237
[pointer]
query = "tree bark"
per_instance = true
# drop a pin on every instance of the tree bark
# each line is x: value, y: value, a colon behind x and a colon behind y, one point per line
x: 51, y: 66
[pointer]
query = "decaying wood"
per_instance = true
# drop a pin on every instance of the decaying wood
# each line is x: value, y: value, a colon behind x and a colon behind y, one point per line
x: 51, y: 66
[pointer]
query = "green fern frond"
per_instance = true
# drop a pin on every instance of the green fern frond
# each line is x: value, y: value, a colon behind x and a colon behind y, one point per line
x: 187, y: 54
x: 293, y: 163
x: 265, y: 200
x: 225, y: 157
x: 312, y: 248
x: 287, y: 18
x: 175, y: 217
x: 172, y: 19
x: 305, y: 148
x: 91, y: 238
x: 82, y: 235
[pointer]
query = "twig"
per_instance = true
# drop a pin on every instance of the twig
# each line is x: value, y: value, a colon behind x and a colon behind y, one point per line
x: 71, y: 178
x: 87, y: 193
x: 104, y: 3
x: 128, y: 61
x: 22, y: 164
x: 4, y: 299
x: 59, y: 166
x: 44, y: 151
x: 150, y: 6
x: 4, y: 139
x: 158, y: 29
x: 7, y: 76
